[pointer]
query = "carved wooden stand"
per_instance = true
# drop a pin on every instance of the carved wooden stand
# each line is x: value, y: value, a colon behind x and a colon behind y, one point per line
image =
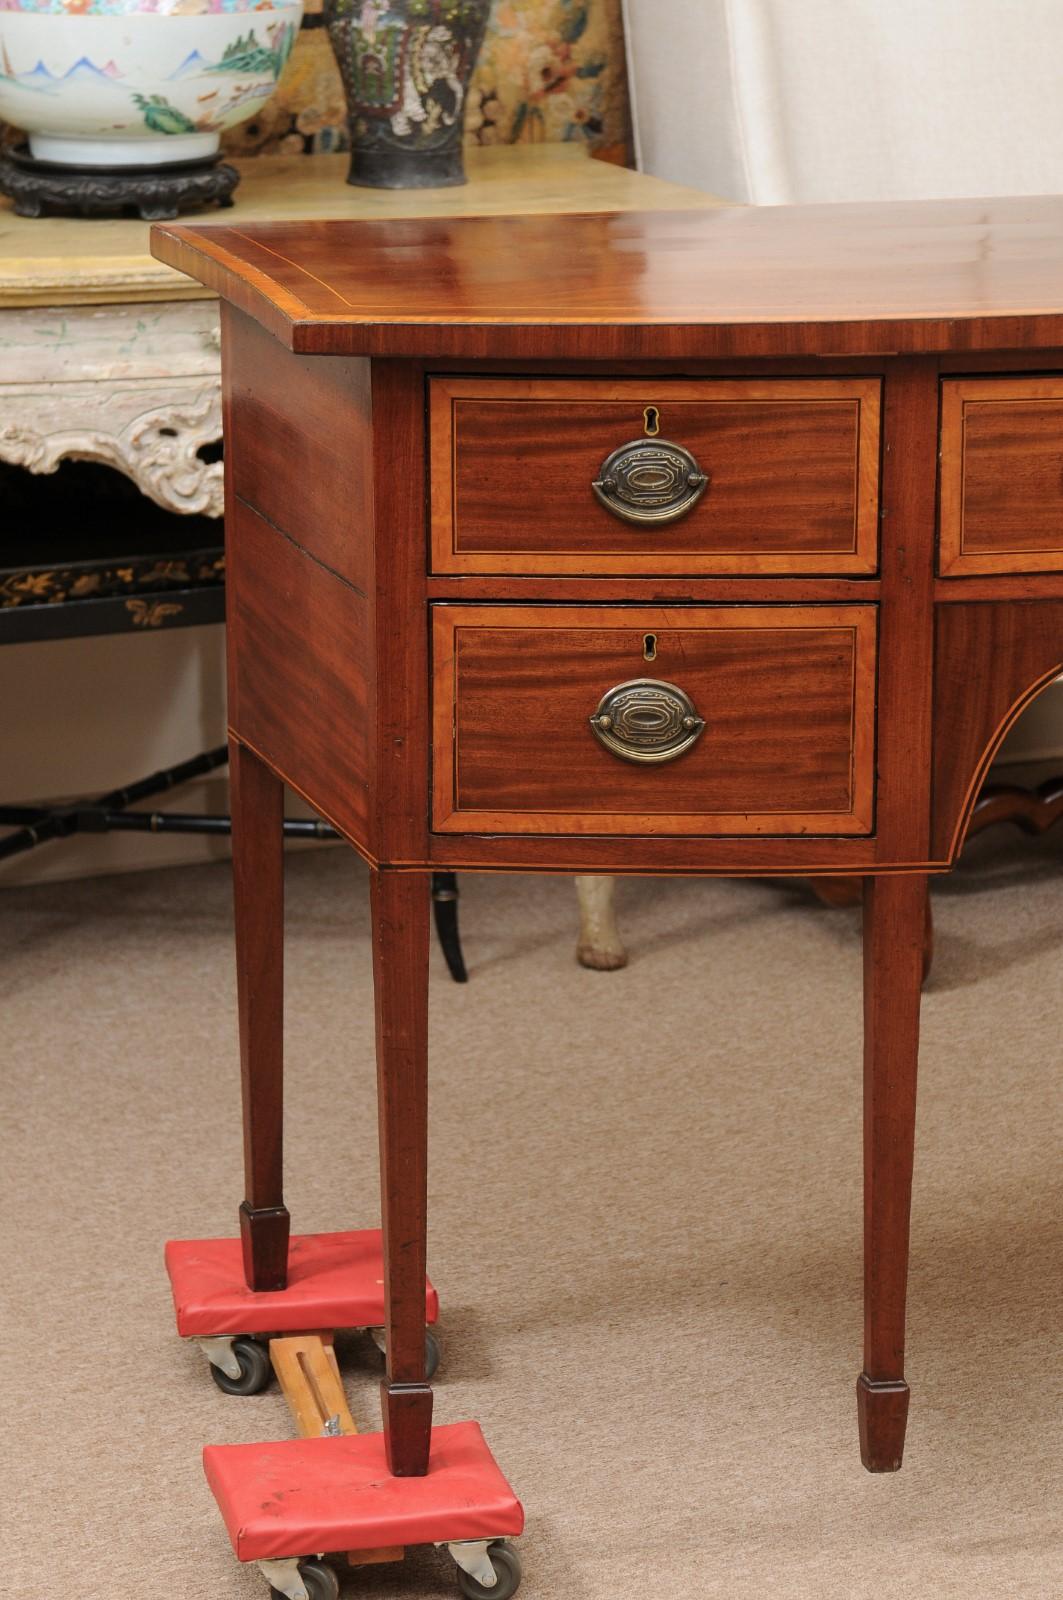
x: 155, y: 193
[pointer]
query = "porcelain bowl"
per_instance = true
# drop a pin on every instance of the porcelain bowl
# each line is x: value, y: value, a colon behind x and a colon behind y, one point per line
x: 138, y: 82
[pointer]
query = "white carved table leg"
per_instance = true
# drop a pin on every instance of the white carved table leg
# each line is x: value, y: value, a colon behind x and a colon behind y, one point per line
x: 600, y: 945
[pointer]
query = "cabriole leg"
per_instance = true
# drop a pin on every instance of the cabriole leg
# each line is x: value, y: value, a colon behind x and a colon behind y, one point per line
x: 895, y: 910
x: 600, y: 946
x: 257, y: 800
x: 400, y: 910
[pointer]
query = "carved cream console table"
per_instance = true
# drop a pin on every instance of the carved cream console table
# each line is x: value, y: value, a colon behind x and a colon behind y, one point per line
x: 132, y: 386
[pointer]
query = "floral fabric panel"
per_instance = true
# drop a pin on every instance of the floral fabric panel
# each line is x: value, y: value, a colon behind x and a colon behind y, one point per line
x: 551, y: 69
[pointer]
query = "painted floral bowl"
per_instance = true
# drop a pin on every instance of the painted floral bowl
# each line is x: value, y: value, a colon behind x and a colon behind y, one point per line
x: 138, y: 82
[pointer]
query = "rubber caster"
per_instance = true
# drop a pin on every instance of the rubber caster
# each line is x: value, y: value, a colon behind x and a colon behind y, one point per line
x: 320, y: 1581
x: 506, y: 1563
x: 431, y: 1350
x: 255, y: 1369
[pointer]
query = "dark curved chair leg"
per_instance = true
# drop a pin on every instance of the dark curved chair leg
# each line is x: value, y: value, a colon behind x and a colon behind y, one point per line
x: 445, y: 907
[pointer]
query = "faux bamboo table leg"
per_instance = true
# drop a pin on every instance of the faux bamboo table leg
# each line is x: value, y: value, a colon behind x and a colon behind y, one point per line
x: 895, y: 912
x: 257, y: 796
x: 400, y: 913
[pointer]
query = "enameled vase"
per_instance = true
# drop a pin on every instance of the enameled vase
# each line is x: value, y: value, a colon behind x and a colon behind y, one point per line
x: 406, y: 66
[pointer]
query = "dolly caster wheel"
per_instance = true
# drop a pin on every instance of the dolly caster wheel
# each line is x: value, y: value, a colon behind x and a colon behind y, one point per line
x: 319, y: 1581
x: 255, y: 1369
x: 431, y: 1350
x: 506, y: 1562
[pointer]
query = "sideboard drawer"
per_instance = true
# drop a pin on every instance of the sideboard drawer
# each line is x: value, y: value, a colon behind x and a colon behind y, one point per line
x: 1001, y: 476
x: 724, y: 720
x: 771, y: 475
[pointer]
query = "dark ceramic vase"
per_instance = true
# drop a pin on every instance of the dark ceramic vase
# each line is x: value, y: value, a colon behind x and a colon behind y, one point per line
x: 406, y: 66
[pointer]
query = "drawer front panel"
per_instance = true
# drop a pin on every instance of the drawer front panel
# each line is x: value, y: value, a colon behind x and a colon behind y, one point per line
x: 792, y: 469
x: 785, y: 694
x: 1001, y: 476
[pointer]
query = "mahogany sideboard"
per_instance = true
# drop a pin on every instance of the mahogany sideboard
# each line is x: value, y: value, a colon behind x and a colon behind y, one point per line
x: 722, y: 542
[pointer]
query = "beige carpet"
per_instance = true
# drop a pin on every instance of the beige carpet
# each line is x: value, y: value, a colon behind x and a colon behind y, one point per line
x: 645, y: 1231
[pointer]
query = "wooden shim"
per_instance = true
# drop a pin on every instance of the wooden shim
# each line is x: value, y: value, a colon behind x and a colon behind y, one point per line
x: 309, y: 1376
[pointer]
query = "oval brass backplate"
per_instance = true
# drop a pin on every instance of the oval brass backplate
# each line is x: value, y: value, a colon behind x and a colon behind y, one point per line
x: 650, y: 482
x: 646, y: 720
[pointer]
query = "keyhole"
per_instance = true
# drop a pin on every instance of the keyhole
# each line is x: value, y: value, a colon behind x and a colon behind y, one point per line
x: 651, y: 419
x: 649, y: 647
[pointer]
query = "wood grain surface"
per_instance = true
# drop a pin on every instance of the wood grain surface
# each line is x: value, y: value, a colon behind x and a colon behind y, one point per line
x: 1001, y: 476
x: 300, y: 565
x: 906, y: 616
x: 990, y: 661
x: 787, y: 694
x: 852, y: 279
x: 895, y: 921
x: 301, y: 453
x: 400, y: 917
x: 299, y: 694
x: 792, y: 466
x: 257, y: 803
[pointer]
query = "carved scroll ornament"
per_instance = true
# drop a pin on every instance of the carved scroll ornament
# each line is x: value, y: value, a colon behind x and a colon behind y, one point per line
x: 122, y: 425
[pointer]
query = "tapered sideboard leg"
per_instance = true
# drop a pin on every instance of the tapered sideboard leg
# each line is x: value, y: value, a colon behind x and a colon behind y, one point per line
x: 257, y: 801
x: 400, y: 907
x: 895, y: 910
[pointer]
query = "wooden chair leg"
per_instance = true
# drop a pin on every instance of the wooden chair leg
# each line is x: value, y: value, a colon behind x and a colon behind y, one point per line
x: 257, y: 799
x: 895, y: 912
x: 400, y: 917
x: 445, y: 907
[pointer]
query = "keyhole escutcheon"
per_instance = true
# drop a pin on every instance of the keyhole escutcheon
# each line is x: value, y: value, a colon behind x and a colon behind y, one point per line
x: 651, y: 421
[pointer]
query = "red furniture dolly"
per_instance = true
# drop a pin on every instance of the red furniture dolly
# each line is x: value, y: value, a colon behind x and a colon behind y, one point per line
x: 288, y: 1504
x: 334, y: 1280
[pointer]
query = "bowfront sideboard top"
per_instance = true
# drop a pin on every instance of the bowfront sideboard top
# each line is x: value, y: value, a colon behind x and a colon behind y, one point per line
x: 730, y: 281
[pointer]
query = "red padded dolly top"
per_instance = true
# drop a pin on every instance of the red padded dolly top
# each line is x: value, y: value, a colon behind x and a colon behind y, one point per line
x: 335, y: 1280
x: 301, y: 1497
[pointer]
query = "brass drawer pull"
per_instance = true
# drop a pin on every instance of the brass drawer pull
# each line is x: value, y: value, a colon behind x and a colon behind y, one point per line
x: 646, y: 720
x: 650, y: 482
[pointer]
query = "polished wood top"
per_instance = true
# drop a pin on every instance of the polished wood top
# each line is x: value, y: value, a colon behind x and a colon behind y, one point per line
x: 733, y: 281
